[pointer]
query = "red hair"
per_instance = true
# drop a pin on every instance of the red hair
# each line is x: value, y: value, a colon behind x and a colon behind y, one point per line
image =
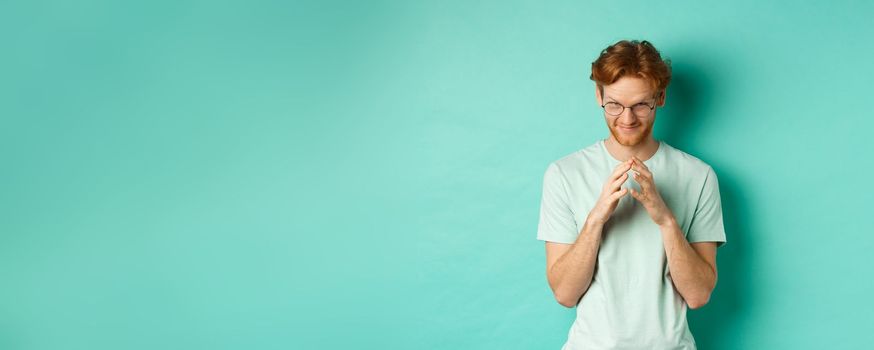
x: 633, y: 57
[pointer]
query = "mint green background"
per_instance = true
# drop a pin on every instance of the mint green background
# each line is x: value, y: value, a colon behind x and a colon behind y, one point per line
x: 326, y: 175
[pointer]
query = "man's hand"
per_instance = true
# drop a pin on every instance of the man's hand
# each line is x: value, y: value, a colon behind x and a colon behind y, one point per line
x: 649, y: 196
x: 610, y: 194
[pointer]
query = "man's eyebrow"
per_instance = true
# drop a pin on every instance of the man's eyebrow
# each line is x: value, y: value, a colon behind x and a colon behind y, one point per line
x: 641, y: 101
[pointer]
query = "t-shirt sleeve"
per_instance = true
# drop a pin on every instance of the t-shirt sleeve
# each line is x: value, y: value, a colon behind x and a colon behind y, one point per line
x: 556, y: 217
x: 707, y: 223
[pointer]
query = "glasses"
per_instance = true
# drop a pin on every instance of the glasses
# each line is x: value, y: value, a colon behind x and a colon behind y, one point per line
x: 640, y: 109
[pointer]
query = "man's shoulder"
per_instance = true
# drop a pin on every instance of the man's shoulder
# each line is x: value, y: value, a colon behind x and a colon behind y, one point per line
x: 579, y: 159
x: 687, y: 162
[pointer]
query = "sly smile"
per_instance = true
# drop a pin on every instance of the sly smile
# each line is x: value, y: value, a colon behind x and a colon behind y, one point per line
x: 627, y: 128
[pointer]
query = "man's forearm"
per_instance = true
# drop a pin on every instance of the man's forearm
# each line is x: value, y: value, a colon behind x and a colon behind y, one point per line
x: 572, y: 273
x: 693, y: 277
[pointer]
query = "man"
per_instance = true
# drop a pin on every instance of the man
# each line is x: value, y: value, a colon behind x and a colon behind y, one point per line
x: 631, y: 224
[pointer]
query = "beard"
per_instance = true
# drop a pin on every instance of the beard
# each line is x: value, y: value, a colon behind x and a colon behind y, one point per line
x: 632, y: 139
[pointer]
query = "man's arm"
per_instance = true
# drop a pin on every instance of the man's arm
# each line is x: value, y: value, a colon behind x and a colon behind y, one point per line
x: 692, y: 265
x: 570, y: 267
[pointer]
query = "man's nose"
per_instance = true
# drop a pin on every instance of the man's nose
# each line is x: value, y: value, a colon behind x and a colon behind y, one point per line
x: 627, y: 116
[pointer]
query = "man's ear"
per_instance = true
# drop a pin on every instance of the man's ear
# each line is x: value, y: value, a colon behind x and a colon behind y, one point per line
x: 661, y: 99
x: 598, y: 97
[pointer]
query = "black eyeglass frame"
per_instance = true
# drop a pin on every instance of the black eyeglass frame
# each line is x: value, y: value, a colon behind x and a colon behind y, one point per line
x: 651, y: 107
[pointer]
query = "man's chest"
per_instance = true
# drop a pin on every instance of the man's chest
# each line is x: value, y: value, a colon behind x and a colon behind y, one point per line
x: 680, y: 194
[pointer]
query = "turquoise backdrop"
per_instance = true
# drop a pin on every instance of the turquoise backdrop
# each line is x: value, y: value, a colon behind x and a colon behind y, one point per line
x: 366, y: 174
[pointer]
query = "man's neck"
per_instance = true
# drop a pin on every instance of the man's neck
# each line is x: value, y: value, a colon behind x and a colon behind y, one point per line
x: 643, y: 150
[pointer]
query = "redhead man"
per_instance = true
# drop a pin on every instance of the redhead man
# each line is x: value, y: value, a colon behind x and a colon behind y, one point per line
x: 631, y: 224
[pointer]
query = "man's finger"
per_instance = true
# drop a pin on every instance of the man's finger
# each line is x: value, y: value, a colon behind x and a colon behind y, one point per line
x: 644, y: 181
x: 618, y: 194
x: 621, y: 168
x: 637, y: 195
x: 640, y: 167
x: 618, y: 182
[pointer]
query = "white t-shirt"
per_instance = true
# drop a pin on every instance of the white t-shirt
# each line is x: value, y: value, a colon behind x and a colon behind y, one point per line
x: 631, y: 302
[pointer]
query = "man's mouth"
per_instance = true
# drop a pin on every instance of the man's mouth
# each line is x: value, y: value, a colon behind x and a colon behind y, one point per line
x: 627, y: 128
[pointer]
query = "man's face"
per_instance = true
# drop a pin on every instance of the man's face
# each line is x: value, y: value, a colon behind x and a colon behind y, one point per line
x: 628, y: 128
